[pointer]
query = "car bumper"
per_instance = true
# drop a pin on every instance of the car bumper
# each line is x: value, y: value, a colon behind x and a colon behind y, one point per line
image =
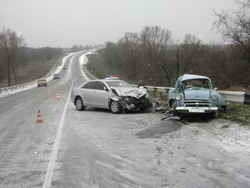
x: 196, y: 109
x: 41, y: 85
x: 137, y: 104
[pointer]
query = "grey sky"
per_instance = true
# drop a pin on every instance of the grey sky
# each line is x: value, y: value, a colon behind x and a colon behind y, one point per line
x: 64, y: 23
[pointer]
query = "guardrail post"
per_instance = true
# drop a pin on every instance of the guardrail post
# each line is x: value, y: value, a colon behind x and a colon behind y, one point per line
x: 247, y: 98
x: 155, y: 92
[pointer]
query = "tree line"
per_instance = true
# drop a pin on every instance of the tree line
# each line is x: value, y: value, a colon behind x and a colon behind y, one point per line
x: 19, y: 63
x: 154, y: 57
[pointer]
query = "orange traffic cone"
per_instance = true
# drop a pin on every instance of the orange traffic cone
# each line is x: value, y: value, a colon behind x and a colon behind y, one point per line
x: 39, y: 117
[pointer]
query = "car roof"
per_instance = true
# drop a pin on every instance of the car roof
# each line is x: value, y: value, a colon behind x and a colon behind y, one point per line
x: 192, y: 77
x: 101, y: 80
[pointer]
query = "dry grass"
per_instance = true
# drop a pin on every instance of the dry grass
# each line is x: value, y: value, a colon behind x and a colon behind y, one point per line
x: 237, y: 112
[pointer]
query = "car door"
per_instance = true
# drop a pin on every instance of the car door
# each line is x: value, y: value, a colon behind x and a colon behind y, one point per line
x: 87, y: 93
x: 101, y: 95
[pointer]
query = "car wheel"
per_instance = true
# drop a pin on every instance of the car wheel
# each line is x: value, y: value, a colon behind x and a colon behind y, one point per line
x: 224, y: 108
x: 149, y: 108
x: 79, y: 104
x: 172, y: 104
x: 115, y: 107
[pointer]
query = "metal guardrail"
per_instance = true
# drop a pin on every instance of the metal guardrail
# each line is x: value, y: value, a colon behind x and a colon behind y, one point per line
x: 158, y: 88
x: 91, y: 76
x: 16, y: 87
x: 229, y: 96
x: 12, y: 89
x: 27, y: 85
x: 233, y: 96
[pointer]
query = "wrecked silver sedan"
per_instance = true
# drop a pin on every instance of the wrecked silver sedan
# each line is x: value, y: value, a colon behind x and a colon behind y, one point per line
x: 195, y: 94
x: 113, y: 94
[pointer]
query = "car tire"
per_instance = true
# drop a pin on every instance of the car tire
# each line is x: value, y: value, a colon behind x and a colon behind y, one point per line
x: 115, y: 107
x: 172, y: 104
x: 224, y: 108
x: 79, y: 104
x: 149, y: 109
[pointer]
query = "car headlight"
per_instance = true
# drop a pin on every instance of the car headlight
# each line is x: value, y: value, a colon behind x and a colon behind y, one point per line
x: 179, y: 97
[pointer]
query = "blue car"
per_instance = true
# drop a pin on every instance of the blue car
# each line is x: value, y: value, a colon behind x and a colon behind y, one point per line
x: 194, y: 94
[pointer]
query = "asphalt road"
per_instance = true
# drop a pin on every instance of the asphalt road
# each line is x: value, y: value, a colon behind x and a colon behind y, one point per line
x: 95, y: 148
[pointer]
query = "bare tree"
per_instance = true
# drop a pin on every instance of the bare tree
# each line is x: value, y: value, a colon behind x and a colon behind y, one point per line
x: 235, y: 26
x: 9, y: 44
x: 154, y: 43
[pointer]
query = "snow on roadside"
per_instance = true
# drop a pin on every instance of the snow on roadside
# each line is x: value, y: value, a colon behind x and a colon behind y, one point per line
x: 30, y: 85
x: 59, y: 68
x: 83, y: 60
x: 11, y: 91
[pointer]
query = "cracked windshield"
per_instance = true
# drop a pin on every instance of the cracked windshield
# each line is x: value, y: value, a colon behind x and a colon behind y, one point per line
x: 125, y: 94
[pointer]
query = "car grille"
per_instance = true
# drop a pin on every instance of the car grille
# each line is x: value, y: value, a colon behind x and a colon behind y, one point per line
x: 197, y: 103
x: 140, y: 101
x: 137, y: 101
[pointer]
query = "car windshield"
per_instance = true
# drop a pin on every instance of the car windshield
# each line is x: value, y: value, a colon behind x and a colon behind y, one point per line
x: 196, y: 83
x: 118, y: 83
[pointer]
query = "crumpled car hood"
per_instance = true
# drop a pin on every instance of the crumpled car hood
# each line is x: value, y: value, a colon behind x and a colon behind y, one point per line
x: 130, y: 91
x: 197, y: 94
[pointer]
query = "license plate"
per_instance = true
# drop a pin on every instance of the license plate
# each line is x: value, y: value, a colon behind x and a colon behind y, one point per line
x: 197, y: 110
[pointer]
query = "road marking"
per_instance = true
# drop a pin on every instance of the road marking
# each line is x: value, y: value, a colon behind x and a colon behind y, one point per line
x: 53, y: 157
x: 82, y: 61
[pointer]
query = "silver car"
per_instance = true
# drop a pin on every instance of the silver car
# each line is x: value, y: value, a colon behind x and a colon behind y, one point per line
x: 113, y: 94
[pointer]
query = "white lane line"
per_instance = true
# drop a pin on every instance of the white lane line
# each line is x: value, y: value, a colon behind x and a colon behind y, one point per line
x: 53, y: 157
x: 83, y: 61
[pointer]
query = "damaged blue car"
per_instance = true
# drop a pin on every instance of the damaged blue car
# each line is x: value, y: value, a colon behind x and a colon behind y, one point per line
x: 194, y: 94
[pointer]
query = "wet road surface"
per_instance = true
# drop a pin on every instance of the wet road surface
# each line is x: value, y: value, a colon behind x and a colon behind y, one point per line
x: 100, y: 149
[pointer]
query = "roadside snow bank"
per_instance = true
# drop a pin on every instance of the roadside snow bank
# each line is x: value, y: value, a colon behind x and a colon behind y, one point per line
x: 6, y: 91
x: 83, y: 60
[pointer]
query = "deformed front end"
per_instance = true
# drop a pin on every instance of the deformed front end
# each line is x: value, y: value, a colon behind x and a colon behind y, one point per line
x: 132, y: 99
x: 136, y: 104
x: 195, y: 94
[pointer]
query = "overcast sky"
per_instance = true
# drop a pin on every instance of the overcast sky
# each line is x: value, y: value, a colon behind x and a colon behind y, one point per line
x: 67, y: 22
